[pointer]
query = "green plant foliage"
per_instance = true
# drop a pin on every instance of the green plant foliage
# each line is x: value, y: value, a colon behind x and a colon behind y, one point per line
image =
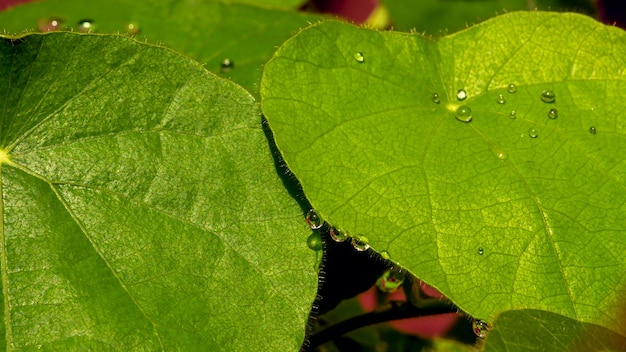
x: 498, y: 213
x: 208, y: 31
x: 141, y: 209
x: 533, y: 330
x: 436, y: 17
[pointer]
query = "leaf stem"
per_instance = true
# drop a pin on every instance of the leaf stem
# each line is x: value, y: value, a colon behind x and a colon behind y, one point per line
x: 354, y: 323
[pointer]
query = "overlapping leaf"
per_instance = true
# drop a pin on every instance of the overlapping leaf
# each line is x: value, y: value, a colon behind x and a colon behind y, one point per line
x: 209, y: 31
x: 141, y: 209
x: 512, y: 210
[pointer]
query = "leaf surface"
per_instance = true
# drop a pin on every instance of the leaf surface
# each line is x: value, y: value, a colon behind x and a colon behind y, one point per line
x: 208, y: 31
x: 490, y: 216
x: 141, y: 207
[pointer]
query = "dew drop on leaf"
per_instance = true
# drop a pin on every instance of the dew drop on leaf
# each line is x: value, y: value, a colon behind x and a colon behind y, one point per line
x: 592, y: 130
x: 512, y: 88
x: 314, y: 241
x: 385, y: 255
x: 49, y: 24
x: 480, y: 327
x: 360, y: 243
x: 532, y: 133
x: 85, y: 26
x: 436, y: 98
x: 227, y: 65
x: 553, y: 114
x: 391, y: 280
x: 501, y: 99
x: 548, y: 96
x: 502, y: 155
x: 464, y: 114
x: 358, y: 56
x: 132, y: 28
x: 313, y: 220
x: 338, y: 235
x: 461, y: 94
x: 481, y: 251
x: 513, y: 115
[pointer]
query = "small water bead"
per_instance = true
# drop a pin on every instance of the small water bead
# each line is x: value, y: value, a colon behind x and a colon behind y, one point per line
x: 85, y: 26
x: 314, y: 241
x: 314, y: 221
x: 49, y: 24
x: 592, y: 130
x: 461, y: 94
x: 436, y: 98
x: 501, y: 99
x: 391, y: 280
x: 548, y: 96
x: 227, y: 65
x: 532, y: 133
x: 464, y: 114
x: 360, y: 243
x: 502, y: 155
x: 553, y: 114
x: 132, y: 28
x: 513, y: 115
x: 338, y: 235
x: 385, y: 255
x: 481, y: 251
x: 512, y: 88
x: 358, y: 56
x: 480, y: 327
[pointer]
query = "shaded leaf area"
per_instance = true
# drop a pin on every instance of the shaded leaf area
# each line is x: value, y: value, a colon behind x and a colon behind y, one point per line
x: 509, y: 211
x: 545, y: 331
x: 233, y: 40
x: 141, y: 207
x: 438, y: 17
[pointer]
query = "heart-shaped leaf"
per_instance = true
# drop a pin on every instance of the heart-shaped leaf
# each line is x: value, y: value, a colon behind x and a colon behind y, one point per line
x: 489, y: 163
x: 141, y: 209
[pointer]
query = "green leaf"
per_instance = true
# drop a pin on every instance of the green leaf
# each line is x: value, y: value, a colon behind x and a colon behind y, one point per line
x: 141, y: 207
x: 494, y: 219
x: 544, y: 331
x: 438, y: 16
x: 208, y: 31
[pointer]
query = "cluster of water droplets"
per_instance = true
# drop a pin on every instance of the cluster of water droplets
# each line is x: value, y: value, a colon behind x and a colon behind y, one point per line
x: 86, y: 25
x: 315, y: 222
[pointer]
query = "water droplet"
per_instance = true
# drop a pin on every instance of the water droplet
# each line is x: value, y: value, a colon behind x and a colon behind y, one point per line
x: 592, y: 130
x: 360, y: 243
x: 461, y: 94
x: 501, y: 99
x: 85, y: 26
x: 227, y: 65
x: 49, y: 24
x: 548, y: 96
x: 513, y: 115
x: 358, y: 56
x: 502, y: 155
x: 532, y: 133
x: 512, y: 88
x: 313, y: 220
x: 464, y: 114
x: 481, y: 251
x: 391, y: 280
x: 132, y: 28
x: 338, y: 235
x: 553, y: 114
x: 480, y: 327
x: 436, y: 98
x: 385, y: 255
x: 314, y: 241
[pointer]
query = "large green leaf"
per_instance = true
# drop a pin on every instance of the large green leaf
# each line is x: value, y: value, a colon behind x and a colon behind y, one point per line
x: 141, y: 209
x: 208, y: 31
x: 533, y: 330
x: 499, y: 213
